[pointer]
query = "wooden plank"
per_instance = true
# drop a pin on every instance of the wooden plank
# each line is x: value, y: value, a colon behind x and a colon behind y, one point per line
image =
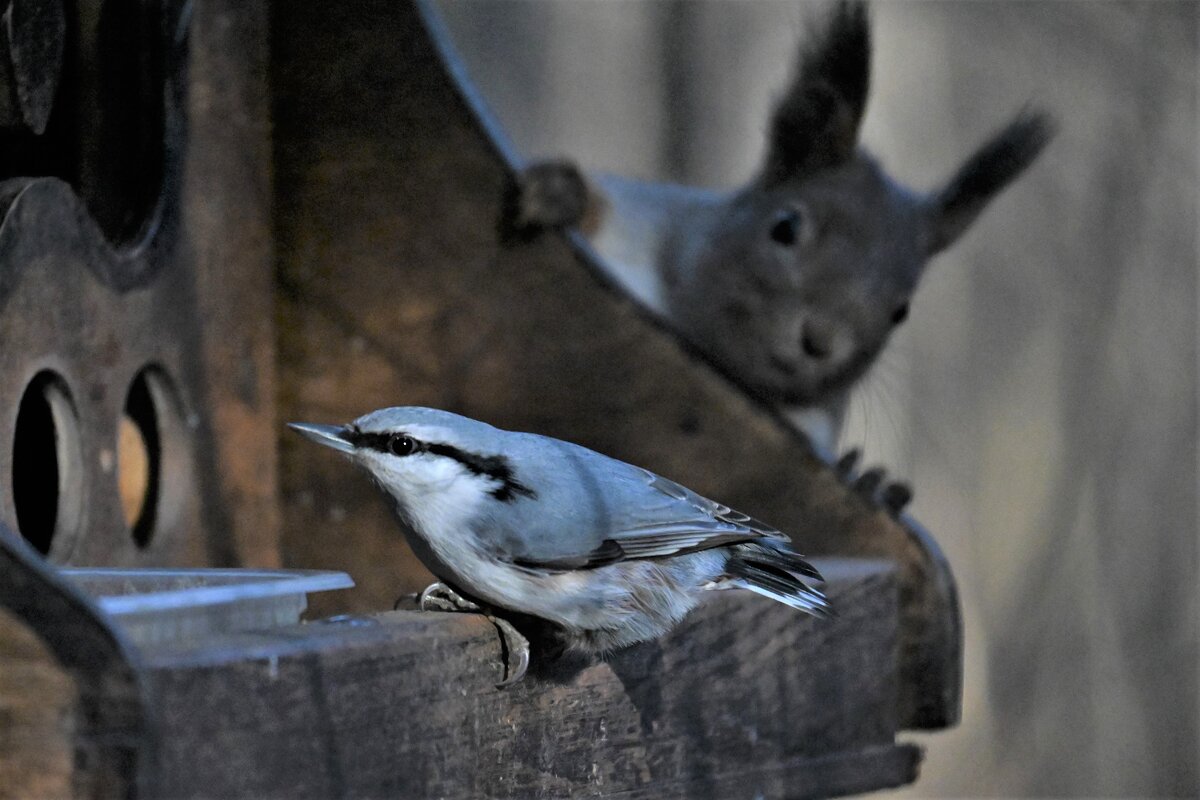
x: 746, y: 693
x: 867, y: 770
x: 38, y: 699
x: 226, y: 209
x: 398, y: 286
x: 74, y: 668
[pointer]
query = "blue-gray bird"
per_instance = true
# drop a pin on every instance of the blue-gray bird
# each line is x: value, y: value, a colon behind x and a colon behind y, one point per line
x: 612, y: 554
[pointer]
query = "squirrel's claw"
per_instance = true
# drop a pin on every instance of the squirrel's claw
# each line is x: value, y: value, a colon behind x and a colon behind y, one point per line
x: 895, y: 496
x: 549, y: 194
x: 872, y: 484
x: 846, y: 464
x: 868, y: 483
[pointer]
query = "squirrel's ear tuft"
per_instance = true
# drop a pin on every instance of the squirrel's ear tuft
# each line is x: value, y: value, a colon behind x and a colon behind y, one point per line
x: 816, y: 123
x: 992, y: 167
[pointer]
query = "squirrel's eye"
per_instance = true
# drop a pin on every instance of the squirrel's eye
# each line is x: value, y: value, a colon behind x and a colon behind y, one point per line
x: 793, y: 225
x: 900, y: 314
x: 401, y: 445
x: 786, y: 228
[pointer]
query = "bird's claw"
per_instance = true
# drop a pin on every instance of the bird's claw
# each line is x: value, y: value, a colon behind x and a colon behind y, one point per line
x: 516, y: 652
x: 515, y: 647
x: 440, y: 597
x: 872, y: 485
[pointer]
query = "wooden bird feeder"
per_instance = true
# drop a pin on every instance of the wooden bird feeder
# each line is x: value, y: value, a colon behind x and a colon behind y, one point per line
x: 215, y: 221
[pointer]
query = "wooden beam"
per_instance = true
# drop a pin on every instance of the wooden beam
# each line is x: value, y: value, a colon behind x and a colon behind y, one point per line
x: 746, y: 697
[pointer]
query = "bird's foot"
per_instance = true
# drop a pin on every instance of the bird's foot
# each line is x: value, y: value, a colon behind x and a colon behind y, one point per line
x: 872, y: 485
x: 516, y: 651
x: 440, y: 597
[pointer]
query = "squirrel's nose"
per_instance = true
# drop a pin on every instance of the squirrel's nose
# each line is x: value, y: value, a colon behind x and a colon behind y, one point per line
x: 816, y: 340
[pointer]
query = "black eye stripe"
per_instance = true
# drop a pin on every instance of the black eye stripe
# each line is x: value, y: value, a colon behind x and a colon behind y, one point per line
x: 497, y: 468
x: 372, y: 440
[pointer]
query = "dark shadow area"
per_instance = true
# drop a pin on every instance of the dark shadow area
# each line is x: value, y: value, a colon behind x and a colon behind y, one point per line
x: 104, y: 135
x: 44, y: 445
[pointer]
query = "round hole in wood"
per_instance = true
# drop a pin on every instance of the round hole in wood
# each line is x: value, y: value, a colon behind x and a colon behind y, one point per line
x: 47, y: 465
x: 139, y: 453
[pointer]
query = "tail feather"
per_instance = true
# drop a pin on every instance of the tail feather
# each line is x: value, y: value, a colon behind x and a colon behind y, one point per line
x: 776, y: 574
x: 779, y: 556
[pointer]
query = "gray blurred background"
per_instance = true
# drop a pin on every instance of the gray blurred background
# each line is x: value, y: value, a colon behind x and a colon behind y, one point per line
x: 1043, y: 396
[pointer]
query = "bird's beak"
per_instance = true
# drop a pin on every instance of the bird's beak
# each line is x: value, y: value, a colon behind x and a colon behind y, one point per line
x: 328, y: 435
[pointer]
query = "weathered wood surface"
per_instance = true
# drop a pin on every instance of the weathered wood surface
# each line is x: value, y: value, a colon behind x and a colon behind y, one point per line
x: 38, y: 699
x: 398, y: 286
x: 82, y: 704
x: 747, y: 698
x: 140, y: 237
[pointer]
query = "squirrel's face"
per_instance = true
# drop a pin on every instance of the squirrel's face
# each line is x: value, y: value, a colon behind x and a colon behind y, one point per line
x: 797, y: 281
x: 799, y: 286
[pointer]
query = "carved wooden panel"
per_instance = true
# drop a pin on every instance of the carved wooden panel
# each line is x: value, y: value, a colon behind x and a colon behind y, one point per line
x: 136, y: 413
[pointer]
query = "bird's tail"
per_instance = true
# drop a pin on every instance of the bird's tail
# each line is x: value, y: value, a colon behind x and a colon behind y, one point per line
x: 778, y: 573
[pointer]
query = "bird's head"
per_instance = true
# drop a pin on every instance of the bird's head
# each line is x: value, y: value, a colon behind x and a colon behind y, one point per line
x: 424, y: 456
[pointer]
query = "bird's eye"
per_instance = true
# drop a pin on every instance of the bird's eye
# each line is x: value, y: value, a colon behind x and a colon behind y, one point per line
x: 900, y: 314
x: 401, y: 445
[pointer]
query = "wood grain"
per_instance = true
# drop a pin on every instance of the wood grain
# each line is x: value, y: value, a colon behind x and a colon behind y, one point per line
x: 747, y: 696
x: 38, y: 701
x: 83, y: 694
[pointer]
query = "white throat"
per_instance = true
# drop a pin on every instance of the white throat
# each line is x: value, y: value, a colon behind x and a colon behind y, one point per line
x: 438, y: 495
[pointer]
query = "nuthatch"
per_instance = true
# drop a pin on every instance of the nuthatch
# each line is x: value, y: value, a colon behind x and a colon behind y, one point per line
x: 610, y: 553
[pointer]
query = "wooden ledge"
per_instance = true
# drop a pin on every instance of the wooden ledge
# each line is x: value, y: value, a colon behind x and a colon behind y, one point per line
x: 746, y: 697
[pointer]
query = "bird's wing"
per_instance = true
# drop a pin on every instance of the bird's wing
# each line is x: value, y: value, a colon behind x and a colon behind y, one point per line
x: 685, y: 522
x: 648, y: 516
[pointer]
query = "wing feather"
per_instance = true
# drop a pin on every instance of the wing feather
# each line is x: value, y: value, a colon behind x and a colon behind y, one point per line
x: 657, y: 518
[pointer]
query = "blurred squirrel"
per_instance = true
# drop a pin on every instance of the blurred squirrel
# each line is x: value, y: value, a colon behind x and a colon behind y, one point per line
x: 793, y: 283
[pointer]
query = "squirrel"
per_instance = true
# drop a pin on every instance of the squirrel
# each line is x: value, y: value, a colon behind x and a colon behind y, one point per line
x: 792, y: 284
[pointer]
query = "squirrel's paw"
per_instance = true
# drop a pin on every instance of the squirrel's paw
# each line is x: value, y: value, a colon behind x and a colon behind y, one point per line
x: 871, y: 485
x: 549, y: 194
